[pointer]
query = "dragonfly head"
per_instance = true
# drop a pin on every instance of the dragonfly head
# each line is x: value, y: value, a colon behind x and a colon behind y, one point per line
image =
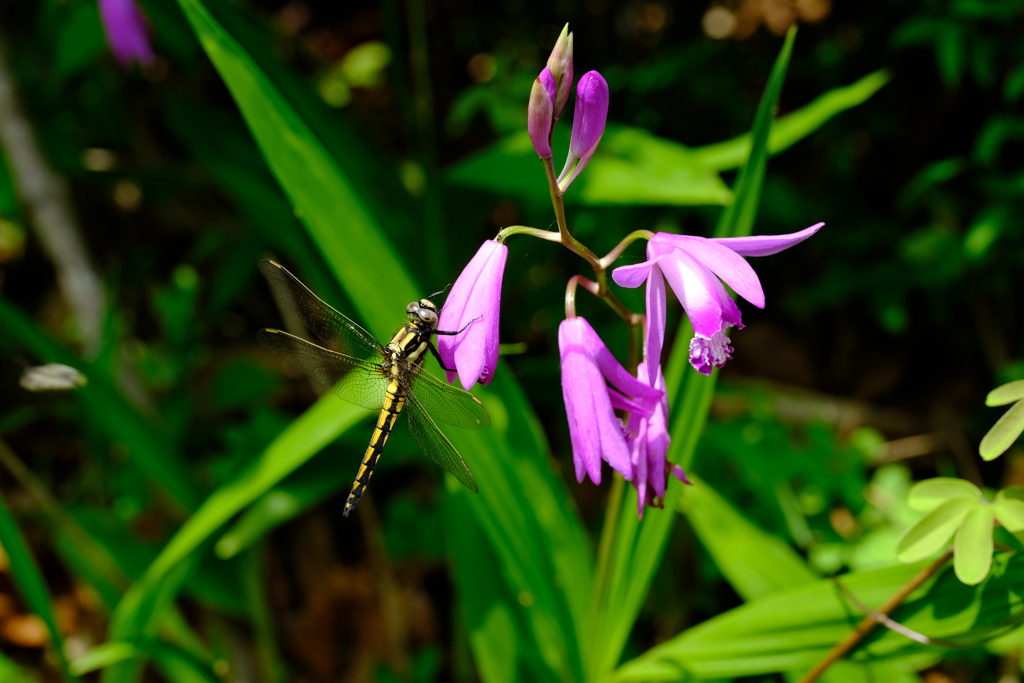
x: 422, y: 311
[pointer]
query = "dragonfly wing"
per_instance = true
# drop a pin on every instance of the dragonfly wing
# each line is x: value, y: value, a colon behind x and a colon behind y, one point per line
x: 448, y: 403
x: 354, y: 380
x: 436, y: 445
x: 335, y: 330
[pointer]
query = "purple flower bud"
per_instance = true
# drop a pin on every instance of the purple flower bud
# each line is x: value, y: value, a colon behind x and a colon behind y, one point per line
x: 475, y: 300
x: 560, y: 66
x: 126, y: 30
x: 540, y: 115
x: 588, y: 122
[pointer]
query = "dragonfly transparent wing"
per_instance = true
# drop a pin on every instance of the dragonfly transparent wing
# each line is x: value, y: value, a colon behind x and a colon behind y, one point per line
x: 354, y: 380
x: 336, y: 331
x: 448, y: 403
x: 436, y: 445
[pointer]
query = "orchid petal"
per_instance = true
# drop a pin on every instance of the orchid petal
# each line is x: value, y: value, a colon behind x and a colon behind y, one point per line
x: 695, y: 287
x: 632, y: 276
x: 766, y: 245
x: 657, y: 305
x: 722, y: 261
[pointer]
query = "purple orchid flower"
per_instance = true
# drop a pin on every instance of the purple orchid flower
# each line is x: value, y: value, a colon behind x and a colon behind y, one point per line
x: 693, y: 266
x: 540, y: 114
x: 648, y: 441
x: 127, y: 31
x: 475, y: 300
x: 596, y: 433
x: 588, y: 123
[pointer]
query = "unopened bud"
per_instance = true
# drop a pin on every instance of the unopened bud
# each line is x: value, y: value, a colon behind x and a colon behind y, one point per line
x: 540, y: 115
x: 588, y: 121
x: 560, y: 65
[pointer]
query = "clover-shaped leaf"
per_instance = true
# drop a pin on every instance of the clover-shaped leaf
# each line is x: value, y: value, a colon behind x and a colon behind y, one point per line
x: 934, y: 530
x: 973, y: 546
x: 928, y: 494
x: 1009, y: 508
x: 1006, y: 430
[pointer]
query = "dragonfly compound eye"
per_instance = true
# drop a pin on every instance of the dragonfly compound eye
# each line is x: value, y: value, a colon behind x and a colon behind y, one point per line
x: 428, y: 316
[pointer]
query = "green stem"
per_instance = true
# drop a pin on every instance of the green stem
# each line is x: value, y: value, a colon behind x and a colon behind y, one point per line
x: 549, y: 235
x: 613, y: 255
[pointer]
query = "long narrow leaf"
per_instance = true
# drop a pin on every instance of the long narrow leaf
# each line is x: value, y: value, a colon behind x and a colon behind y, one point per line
x: 30, y: 581
x: 754, y: 562
x: 793, y: 629
x: 337, y: 219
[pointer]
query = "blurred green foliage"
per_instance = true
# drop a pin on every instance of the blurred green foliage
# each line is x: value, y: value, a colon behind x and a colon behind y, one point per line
x: 182, y: 507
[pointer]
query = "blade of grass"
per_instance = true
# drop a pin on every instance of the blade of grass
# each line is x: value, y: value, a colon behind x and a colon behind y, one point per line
x: 10, y: 672
x: 795, y: 126
x: 31, y: 584
x: 638, y: 546
x: 319, y: 192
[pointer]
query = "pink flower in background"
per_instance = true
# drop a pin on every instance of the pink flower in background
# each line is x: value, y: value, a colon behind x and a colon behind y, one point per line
x: 597, y: 433
x: 475, y: 300
x: 693, y: 265
x: 127, y: 31
x: 648, y: 444
x: 588, y: 123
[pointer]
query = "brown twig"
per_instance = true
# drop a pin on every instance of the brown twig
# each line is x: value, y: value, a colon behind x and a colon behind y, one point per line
x: 870, y: 622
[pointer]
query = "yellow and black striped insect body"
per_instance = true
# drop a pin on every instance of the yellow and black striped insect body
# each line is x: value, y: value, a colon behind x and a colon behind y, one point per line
x: 354, y: 366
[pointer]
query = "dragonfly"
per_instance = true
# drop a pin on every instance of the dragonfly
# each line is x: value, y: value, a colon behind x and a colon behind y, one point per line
x: 389, y: 378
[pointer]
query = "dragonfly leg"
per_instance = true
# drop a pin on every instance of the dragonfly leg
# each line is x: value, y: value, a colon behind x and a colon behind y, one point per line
x: 464, y: 328
x: 440, y: 362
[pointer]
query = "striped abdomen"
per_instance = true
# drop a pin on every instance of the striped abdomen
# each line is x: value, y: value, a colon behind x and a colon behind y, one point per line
x: 394, y: 401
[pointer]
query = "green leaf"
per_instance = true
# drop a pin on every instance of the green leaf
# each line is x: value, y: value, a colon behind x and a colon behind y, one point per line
x: 794, y: 629
x: 314, y: 429
x: 1003, y: 433
x: 10, y: 672
x: 319, y: 192
x: 315, y: 481
x: 632, y: 166
x: 1009, y: 512
x: 973, y: 546
x: 104, y: 655
x: 926, y: 495
x: 934, y: 530
x: 182, y: 666
x: 79, y: 41
x: 524, y: 511
x: 754, y: 562
x: 795, y: 126
x: 1008, y: 393
x: 30, y: 582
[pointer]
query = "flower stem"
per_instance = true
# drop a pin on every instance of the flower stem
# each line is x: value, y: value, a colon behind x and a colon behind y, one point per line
x: 549, y: 235
x: 570, y: 293
x: 615, y: 253
x: 557, y: 201
x: 868, y: 623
